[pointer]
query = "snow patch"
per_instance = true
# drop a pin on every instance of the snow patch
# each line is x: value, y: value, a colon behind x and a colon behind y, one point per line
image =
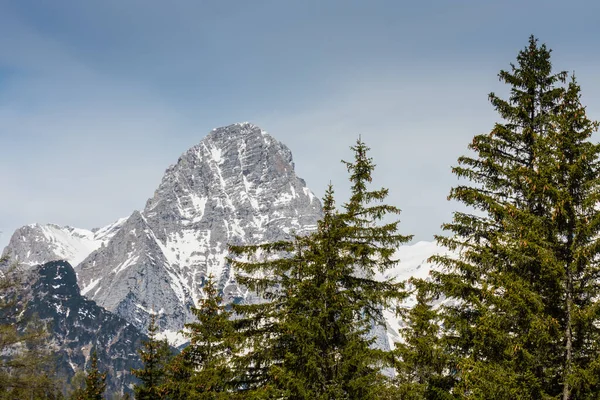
x: 174, y: 338
x: 199, y: 204
x: 308, y: 193
x: 284, y: 198
x: 124, y: 265
x: 248, y: 193
x: 71, y: 244
x: 217, y: 155
x: 90, y: 286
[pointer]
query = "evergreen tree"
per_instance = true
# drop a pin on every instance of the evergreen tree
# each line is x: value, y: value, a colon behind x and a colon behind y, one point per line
x: 510, y: 318
x: 258, y: 326
x: 202, y: 370
x: 95, y: 382
x: 311, y: 336
x: 421, y: 361
x: 177, y: 378
x: 155, y: 355
x: 574, y: 192
x: 76, y: 385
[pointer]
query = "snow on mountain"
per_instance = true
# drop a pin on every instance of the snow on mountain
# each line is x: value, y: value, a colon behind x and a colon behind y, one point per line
x: 413, y: 261
x: 37, y: 244
x: 77, y: 325
x: 236, y: 186
x: 412, y: 264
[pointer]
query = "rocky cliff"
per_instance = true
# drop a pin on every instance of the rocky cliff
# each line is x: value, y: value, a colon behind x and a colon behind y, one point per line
x: 76, y: 326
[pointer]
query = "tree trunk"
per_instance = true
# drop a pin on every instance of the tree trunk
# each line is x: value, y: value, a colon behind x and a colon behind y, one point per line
x: 568, y: 337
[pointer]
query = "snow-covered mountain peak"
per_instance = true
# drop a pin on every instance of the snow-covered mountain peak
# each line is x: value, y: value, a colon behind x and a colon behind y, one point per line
x: 40, y: 243
x: 235, y: 169
x: 236, y: 129
x: 238, y: 185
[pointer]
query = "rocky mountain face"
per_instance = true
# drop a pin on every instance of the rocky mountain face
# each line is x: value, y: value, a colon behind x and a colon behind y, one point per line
x: 36, y: 244
x: 77, y: 325
x: 238, y: 185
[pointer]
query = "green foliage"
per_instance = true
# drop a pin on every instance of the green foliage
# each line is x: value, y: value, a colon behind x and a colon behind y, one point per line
x: 574, y: 194
x: 155, y: 355
x: 421, y: 360
x: 202, y: 370
x: 76, y: 385
x: 119, y: 396
x: 523, y: 294
x: 177, y: 375
x: 310, y: 338
x: 95, y: 382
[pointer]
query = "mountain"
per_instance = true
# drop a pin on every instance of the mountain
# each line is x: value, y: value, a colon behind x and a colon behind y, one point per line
x: 413, y: 263
x: 77, y: 325
x: 238, y: 185
x: 36, y: 244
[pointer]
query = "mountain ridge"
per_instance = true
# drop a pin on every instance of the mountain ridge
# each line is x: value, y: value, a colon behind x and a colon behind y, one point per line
x: 77, y: 326
x: 238, y: 185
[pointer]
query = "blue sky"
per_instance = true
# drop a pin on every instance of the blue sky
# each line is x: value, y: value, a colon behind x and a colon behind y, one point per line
x: 97, y: 98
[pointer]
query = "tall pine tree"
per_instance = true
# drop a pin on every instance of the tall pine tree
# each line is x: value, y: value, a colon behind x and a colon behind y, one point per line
x: 311, y: 337
x: 203, y: 369
x: 421, y: 361
x: 574, y: 175
x: 95, y: 382
x: 509, y: 321
x: 155, y: 355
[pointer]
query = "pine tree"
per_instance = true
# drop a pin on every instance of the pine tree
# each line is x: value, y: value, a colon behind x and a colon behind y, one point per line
x: 421, y: 360
x: 574, y: 176
x: 155, y: 355
x: 512, y: 290
x: 177, y: 375
x: 95, y: 381
x: 260, y: 326
x: 311, y: 336
x: 367, y: 247
x: 202, y: 370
